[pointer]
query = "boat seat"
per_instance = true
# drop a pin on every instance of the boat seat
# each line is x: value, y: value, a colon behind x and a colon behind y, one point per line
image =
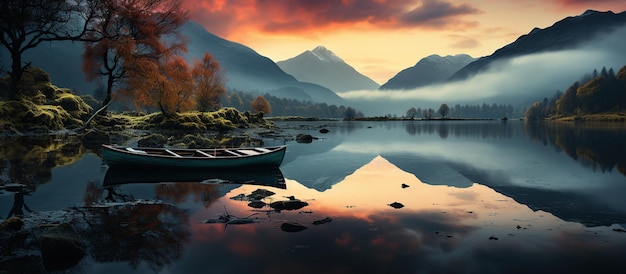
x: 248, y: 152
x: 172, y: 153
x: 232, y: 152
x: 204, y: 154
x: 262, y: 149
x: 130, y: 149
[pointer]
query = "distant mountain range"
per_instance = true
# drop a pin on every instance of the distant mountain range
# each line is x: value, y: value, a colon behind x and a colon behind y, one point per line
x: 429, y: 70
x: 568, y: 33
x: 313, y: 75
x: 323, y: 67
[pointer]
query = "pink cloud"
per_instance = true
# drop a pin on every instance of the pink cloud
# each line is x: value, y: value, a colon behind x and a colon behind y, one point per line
x: 614, y: 5
x: 226, y: 18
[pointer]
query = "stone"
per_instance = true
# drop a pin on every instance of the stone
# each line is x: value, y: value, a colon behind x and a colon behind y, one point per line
x: 292, y: 227
x: 396, y: 205
x: 60, y: 247
x: 304, y: 138
x: 288, y: 205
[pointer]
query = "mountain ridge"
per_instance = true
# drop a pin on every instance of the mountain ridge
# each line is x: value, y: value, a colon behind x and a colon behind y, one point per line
x: 323, y: 67
x: 429, y: 70
x: 567, y: 33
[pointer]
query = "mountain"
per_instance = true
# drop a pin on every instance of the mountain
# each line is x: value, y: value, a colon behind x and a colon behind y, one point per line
x: 247, y: 70
x: 321, y: 66
x: 429, y: 70
x: 568, y: 33
x: 244, y: 68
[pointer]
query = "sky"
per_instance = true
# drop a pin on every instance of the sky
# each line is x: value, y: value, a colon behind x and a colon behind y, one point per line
x: 379, y: 38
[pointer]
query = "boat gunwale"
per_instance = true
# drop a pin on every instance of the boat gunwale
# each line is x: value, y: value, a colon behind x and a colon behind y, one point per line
x: 120, y: 149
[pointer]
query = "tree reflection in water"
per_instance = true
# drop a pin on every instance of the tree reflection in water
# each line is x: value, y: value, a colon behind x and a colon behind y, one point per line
x: 592, y: 145
x: 121, y: 228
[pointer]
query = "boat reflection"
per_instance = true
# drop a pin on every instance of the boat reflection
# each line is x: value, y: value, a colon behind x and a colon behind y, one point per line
x: 262, y: 176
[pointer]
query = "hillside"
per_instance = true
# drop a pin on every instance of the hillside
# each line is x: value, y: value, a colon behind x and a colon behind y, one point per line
x: 603, y: 93
x: 323, y: 67
x: 568, y: 33
x: 429, y: 70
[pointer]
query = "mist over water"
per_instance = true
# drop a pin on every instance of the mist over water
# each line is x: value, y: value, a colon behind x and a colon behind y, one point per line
x: 517, y: 81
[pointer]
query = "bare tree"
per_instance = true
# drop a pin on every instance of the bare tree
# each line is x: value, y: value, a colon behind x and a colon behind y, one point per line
x: 24, y: 24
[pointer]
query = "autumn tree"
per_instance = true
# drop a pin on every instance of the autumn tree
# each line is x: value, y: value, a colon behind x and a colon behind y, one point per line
x: 260, y: 104
x: 567, y: 103
x: 166, y: 85
x: 132, y: 36
x: 24, y: 24
x: 208, y: 83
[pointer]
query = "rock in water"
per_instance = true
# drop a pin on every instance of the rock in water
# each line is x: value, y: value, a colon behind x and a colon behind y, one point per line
x: 396, y: 205
x: 304, y: 138
x: 292, y: 227
x: 256, y: 204
x: 60, y: 247
x: 288, y: 205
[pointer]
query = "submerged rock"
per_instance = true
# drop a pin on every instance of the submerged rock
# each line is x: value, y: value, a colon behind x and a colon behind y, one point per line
x: 288, y: 205
x: 257, y: 204
x: 304, y: 138
x: 260, y: 194
x: 60, y: 247
x: 322, y: 221
x: 292, y: 227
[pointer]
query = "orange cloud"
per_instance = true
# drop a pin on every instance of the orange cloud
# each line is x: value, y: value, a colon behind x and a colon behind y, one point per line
x: 226, y: 18
x: 615, y: 5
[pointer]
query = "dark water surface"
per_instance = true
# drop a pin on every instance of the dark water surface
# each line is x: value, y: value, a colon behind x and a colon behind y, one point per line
x: 469, y: 197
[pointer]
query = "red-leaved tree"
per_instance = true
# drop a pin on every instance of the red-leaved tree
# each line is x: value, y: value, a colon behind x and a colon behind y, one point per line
x: 132, y: 36
x: 209, y: 83
x: 260, y: 104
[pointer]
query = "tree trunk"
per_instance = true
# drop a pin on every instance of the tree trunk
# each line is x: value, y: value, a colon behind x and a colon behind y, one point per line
x: 16, y: 75
x: 108, y: 97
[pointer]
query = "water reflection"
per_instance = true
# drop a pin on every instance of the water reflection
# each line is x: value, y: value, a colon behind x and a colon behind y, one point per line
x: 482, y: 129
x: 440, y: 229
x: 29, y: 160
x: 256, y: 176
x: 599, y: 147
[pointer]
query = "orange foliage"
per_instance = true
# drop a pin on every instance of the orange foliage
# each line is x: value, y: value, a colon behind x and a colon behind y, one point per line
x: 260, y: 104
x: 209, y: 85
x: 168, y: 86
x: 128, y: 36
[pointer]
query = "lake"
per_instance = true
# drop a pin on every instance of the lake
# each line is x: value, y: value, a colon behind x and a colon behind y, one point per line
x: 374, y: 197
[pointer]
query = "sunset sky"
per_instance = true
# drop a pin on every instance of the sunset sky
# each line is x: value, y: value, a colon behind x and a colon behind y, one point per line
x: 379, y: 38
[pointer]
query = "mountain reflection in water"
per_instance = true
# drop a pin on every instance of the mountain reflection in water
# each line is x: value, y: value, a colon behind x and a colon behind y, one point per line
x: 482, y: 197
x: 440, y: 229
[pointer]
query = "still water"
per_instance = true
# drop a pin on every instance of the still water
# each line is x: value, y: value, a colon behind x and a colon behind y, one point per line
x: 380, y: 197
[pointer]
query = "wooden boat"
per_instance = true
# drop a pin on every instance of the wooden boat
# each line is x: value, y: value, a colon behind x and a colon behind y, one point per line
x: 120, y: 156
x: 268, y: 176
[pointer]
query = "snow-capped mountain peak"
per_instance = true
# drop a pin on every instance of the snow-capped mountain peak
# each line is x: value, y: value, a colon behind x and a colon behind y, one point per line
x: 325, y: 55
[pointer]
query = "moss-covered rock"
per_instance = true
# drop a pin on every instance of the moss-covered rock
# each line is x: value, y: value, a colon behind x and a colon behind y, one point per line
x: 152, y: 140
x: 13, y: 224
x: 43, y: 105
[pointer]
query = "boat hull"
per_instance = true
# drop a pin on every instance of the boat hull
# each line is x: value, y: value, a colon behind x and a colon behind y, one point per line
x: 268, y: 176
x: 118, y: 157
